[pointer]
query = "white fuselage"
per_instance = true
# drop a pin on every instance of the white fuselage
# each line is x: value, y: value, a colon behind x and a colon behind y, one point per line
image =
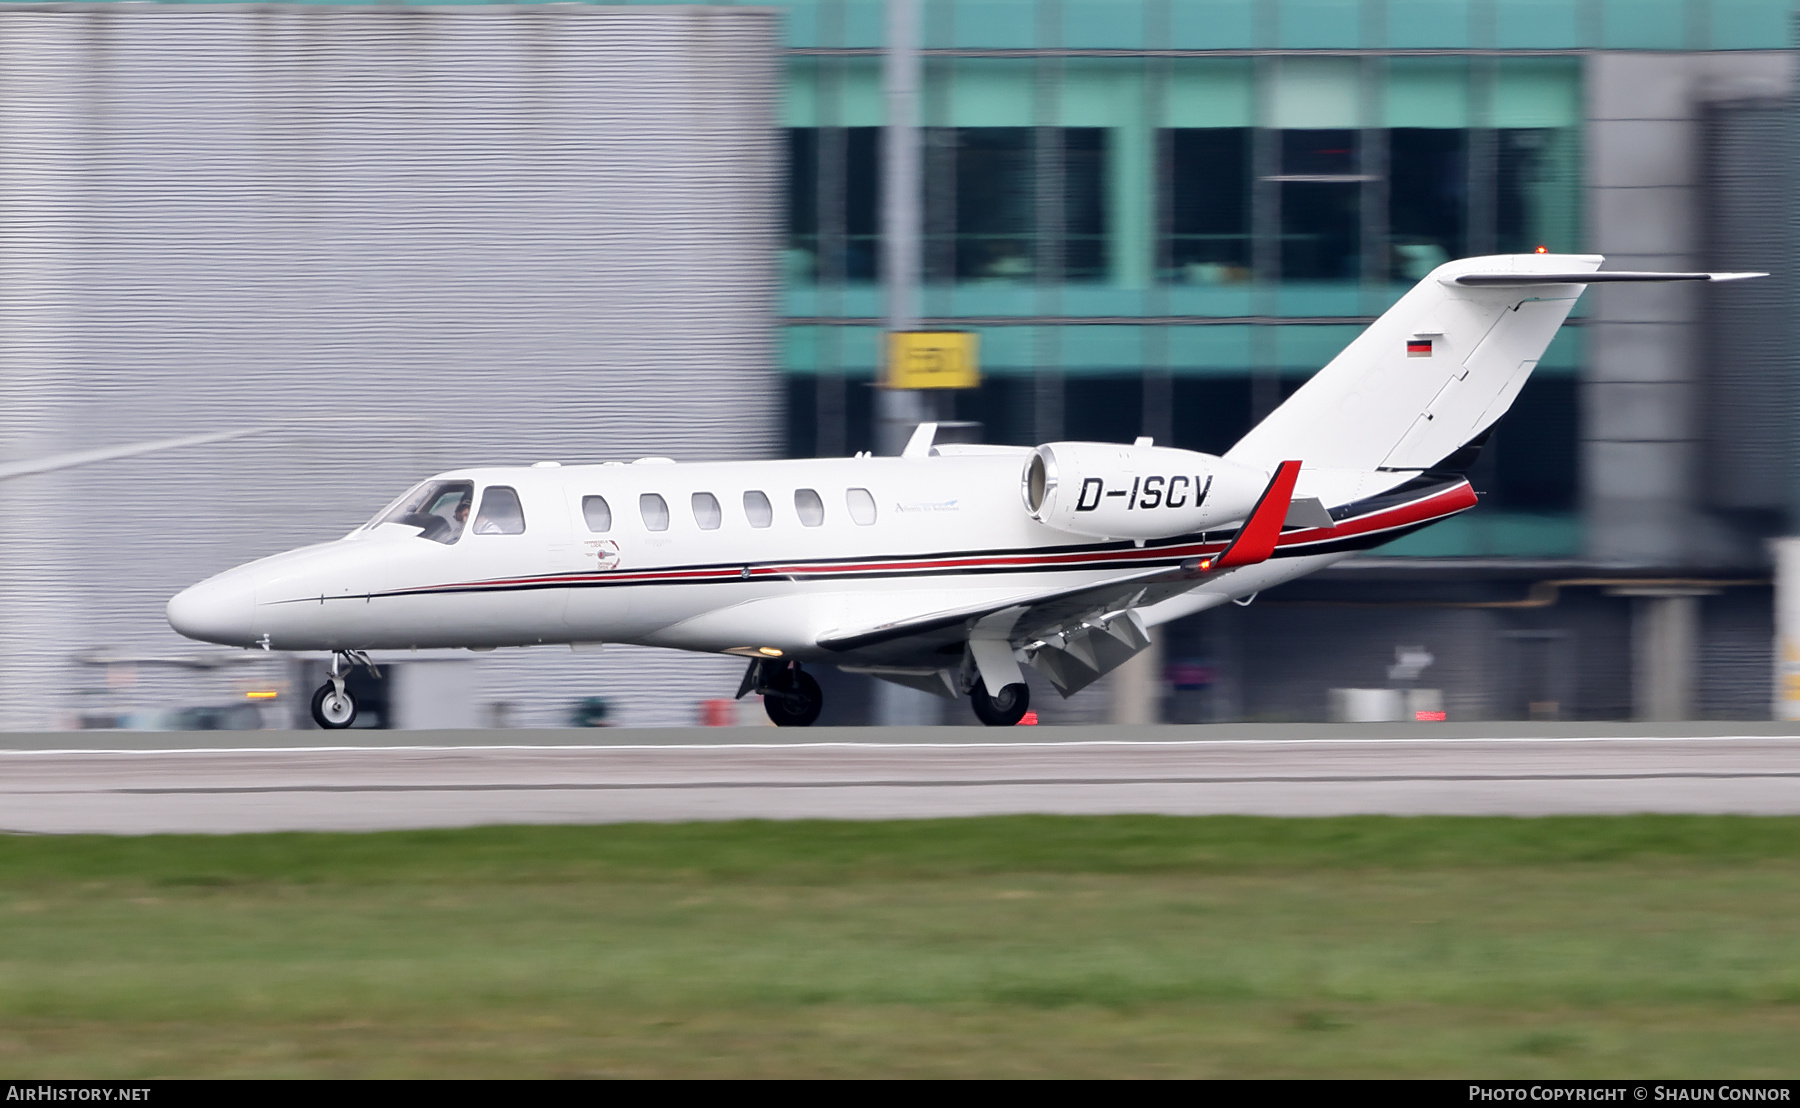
x: 946, y: 532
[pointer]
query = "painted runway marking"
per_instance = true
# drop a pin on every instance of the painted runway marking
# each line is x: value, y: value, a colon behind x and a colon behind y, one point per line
x: 614, y: 786
x: 1149, y: 744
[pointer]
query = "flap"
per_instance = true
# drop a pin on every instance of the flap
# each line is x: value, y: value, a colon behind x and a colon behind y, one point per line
x: 1043, y: 614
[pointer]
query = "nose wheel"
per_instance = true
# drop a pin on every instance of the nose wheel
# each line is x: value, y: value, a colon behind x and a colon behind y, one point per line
x: 333, y: 706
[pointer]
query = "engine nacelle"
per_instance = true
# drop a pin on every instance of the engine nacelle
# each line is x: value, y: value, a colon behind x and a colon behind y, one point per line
x: 1111, y: 491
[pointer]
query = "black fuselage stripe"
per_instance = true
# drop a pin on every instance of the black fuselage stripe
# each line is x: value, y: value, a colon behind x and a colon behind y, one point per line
x: 689, y: 576
x: 895, y: 566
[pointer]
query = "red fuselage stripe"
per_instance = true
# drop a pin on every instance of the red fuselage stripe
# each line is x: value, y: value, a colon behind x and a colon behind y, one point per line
x: 1437, y: 506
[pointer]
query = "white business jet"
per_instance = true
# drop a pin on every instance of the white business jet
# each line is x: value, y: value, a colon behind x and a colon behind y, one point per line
x: 946, y: 568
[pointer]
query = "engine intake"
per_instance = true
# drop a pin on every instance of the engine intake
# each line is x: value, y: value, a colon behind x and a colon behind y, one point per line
x: 1110, y: 491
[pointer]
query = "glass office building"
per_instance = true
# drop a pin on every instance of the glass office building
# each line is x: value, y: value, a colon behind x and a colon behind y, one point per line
x: 1161, y: 216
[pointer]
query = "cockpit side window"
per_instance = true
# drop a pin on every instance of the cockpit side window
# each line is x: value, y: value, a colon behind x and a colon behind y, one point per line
x: 500, y: 512
x: 437, y: 508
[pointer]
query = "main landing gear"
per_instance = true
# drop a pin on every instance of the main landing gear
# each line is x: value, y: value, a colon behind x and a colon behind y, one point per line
x: 792, y: 698
x: 333, y: 707
x: 1005, y: 710
x: 790, y: 695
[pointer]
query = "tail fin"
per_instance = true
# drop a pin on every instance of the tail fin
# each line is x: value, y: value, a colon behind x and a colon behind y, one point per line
x: 1437, y: 370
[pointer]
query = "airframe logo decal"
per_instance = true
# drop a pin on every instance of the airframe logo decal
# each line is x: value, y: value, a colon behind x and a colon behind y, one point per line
x: 929, y: 506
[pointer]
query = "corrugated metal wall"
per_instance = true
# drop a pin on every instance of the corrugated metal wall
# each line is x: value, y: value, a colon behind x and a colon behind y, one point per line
x: 510, y: 233
x: 1737, y: 654
x: 1748, y: 350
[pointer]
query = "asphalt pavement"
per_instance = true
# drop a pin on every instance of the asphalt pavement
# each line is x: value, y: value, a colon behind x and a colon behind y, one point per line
x: 138, y: 783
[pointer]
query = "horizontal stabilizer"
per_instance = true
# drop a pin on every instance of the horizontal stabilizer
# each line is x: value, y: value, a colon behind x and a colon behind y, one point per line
x: 1308, y: 511
x: 1511, y: 280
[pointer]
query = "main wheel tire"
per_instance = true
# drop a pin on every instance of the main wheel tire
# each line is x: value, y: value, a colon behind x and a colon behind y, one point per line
x: 1005, y: 710
x: 333, y: 710
x: 796, y: 705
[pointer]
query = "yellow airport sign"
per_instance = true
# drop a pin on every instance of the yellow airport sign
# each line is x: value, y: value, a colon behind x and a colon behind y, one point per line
x: 933, y: 360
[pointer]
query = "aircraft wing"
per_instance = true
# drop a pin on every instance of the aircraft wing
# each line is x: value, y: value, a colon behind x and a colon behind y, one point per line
x: 926, y: 633
x: 1040, y: 615
x: 54, y: 462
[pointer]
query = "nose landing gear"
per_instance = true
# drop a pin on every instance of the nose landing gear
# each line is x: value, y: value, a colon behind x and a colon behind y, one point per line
x: 790, y: 695
x: 333, y: 707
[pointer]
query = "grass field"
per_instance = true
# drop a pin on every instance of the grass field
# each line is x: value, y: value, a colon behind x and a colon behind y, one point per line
x: 1641, y: 946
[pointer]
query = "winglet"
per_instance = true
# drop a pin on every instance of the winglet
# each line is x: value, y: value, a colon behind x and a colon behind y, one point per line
x: 1255, y: 540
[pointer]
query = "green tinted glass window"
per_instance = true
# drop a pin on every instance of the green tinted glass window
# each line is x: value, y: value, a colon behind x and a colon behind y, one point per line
x: 1428, y: 189
x: 1103, y: 24
x: 1217, y: 25
x: 1644, y: 24
x: 1748, y: 24
x: 1537, y: 24
x: 800, y: 22
x: 1319, y: 24
x: 1427, y: 24
x: 994, y: 24
x: 1207, y: 242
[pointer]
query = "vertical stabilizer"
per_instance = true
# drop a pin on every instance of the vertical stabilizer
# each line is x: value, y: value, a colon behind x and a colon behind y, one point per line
x: 1434, y: 372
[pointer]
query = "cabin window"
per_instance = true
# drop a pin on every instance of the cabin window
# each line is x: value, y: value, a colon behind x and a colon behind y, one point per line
x: 861, y: 503
x: 598, y: 513
x: 437, y: 508
x: 500, y: 512
x: 655, y: 511
x: 758, y: 509
x: 706, y: 511
x: 809, y: 507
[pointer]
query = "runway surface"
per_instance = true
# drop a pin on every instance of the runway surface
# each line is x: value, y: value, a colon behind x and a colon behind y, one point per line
x: 294, y: 781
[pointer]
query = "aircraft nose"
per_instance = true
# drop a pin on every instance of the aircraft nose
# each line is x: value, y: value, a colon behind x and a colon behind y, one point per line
x: 216, y: 610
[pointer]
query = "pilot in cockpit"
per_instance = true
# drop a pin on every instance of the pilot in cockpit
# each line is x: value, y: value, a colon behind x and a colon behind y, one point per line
x: 439, y: 510
x: 459, y: 515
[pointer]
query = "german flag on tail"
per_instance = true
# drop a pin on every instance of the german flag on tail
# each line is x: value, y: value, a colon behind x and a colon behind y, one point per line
x: 1418, y: 348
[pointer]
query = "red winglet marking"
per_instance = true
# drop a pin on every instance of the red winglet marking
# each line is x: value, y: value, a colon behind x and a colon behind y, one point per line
x: 1255, y: 541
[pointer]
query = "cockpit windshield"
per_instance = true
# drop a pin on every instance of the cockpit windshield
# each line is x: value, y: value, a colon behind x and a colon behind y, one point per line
x: 438, y: 508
